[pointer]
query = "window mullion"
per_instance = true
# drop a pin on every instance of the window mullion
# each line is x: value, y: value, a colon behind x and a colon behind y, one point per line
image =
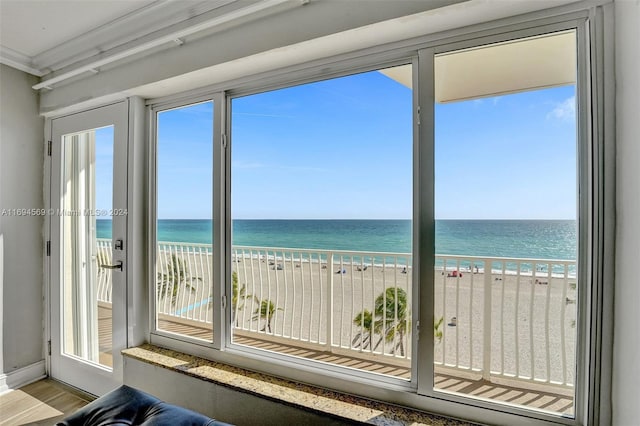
x: 424, y: 234
x: 221, y: 232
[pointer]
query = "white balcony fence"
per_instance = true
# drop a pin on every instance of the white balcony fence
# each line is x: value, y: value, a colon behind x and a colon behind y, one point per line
x: 104, y: 275
x: 517, y: 321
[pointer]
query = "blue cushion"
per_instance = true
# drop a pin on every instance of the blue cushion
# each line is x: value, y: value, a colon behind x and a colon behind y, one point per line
x: 128, y: 406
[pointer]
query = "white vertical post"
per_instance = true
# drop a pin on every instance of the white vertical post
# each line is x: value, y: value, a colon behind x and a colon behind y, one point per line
x: 486, y: 341
x: 563, y: 323
x: 457, y: 313
x: 329, y: 339
x: 546, y: 320
x: 531, y: 300
x: 471, y: 340
x: 516, y: 320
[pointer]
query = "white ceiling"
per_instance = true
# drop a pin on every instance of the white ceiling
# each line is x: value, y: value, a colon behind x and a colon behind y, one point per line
x: 62, y: 39
x: 43, y: 36
x: 31, y: 27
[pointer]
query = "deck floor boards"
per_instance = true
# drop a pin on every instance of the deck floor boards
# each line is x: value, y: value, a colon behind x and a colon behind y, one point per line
x: 533, y: 396
x: 515, y: 392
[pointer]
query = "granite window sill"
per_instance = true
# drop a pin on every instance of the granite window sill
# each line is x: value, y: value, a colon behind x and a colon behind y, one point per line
x: 302, y: 396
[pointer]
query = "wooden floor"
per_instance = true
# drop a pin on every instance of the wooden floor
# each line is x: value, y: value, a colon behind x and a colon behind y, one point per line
x: 41, y: 403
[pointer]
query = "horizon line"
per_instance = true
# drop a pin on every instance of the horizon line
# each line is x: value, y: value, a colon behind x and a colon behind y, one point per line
x: 292, y: 219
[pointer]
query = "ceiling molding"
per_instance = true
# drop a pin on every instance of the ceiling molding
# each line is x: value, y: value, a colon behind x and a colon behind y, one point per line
x: 19, y: 61
x: 213, y: 20
x: 125, y: 29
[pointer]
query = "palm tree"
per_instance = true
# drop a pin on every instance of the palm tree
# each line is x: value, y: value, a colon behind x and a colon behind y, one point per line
x: 237, y: 295
x: 437, y: 331
x: 391, y: 319
x: 177, y: 275
x: 392, y: 312
x: 364, y: 321
x: 266, y: 310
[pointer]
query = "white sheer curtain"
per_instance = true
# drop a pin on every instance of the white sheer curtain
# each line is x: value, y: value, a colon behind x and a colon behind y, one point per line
x: 80, y: 324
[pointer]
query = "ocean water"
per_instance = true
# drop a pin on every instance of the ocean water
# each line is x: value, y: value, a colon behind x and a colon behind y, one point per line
x: 539, y: 239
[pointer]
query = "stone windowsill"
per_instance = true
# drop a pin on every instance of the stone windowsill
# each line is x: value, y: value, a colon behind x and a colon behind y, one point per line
x: 311, y: 398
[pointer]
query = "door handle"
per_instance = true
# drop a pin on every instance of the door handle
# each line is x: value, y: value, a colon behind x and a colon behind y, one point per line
x: 118, y: 265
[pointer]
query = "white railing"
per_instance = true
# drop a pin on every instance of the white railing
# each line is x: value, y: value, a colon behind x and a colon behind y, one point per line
x: 316, y: 296
x: 516, y: 321
x: 103, y: 257
x: 183, y: 281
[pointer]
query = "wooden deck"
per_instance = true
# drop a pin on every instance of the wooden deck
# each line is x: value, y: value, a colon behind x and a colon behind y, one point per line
x: 532, y: 395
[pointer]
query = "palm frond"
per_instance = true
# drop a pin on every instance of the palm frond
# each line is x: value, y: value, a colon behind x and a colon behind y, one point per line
x: 176, y: 276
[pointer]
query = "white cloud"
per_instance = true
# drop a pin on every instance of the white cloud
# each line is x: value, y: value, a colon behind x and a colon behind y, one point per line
x: 565, y: 110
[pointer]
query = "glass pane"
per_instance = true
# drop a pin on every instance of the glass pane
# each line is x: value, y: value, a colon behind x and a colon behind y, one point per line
x: 184, y: 226
x: 87, y: 195
x: 321, y: 204
x: 506, y: 224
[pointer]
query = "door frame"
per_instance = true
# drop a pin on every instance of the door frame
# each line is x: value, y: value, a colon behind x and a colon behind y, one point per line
x: 89, y: 377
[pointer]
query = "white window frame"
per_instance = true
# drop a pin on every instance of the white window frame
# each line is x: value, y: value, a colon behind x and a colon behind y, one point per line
x: 218, y: 163
x: 586, y: 217
x: 334, y: 370
x: 595, y: 261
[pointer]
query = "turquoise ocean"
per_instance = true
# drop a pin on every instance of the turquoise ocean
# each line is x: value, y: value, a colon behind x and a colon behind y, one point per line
x: 538, y: 239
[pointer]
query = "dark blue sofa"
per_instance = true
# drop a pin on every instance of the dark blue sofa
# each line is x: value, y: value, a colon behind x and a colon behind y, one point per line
x: 129, y: 406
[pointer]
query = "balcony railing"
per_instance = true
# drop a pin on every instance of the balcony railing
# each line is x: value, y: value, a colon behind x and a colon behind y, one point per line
x: 334, y: 299
x: 516, y: 321
x: 495, y: 317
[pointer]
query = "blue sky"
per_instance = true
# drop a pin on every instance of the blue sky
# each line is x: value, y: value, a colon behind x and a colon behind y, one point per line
x: 342, y: 149
x: 104, y: 168
x: 185, y: 153
x: 507, y: 157
x: 333, y: 149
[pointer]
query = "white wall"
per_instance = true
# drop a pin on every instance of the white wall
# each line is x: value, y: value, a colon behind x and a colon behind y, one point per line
x: 21, y: 275
x: 626, y: 347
